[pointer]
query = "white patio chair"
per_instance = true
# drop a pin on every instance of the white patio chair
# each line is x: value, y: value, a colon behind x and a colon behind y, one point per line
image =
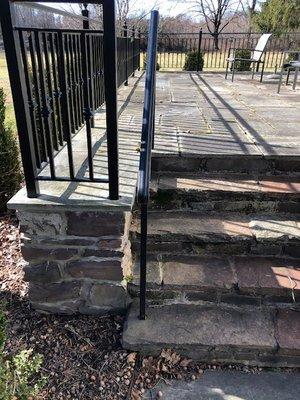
x: 257, y: 56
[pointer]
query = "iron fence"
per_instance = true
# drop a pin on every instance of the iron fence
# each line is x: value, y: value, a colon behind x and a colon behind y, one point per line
x: 174, y: 47
x: 59, y: 79
x: 128, y: 50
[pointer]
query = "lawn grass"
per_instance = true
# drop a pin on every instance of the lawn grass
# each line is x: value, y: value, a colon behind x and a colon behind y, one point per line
x: 4, y: 83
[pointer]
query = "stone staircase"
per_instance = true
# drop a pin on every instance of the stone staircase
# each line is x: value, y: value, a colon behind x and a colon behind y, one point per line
x: 224, y: 261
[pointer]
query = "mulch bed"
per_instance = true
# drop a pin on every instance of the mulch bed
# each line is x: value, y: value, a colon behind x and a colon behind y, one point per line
x: 83, y: 356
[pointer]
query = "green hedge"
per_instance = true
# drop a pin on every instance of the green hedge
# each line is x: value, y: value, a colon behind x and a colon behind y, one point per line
x: 243, y: 65
x: 10, y: 175
x: 192, y: 60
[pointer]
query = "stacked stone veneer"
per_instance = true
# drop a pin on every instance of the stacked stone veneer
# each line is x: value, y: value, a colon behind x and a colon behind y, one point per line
x: 77, y: 261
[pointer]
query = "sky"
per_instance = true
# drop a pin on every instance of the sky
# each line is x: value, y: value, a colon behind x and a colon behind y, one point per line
x: 171, y: 8
x: 166, y: 7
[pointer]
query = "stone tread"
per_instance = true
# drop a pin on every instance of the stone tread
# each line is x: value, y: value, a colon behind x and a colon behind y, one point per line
x: 190, y: 225
x: 252, y: 280
x: 199, y: 162
x: 216, y: 333
x: 273, y: 277
x: 207, y: 183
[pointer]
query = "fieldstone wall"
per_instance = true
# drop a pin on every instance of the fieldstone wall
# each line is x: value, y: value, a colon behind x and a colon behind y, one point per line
x: 78, y: 262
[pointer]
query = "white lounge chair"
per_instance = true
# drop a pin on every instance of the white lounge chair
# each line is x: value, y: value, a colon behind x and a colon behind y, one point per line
x: 257, y: 56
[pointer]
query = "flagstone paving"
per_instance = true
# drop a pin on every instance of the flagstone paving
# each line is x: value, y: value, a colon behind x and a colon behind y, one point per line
x: 214, y: 116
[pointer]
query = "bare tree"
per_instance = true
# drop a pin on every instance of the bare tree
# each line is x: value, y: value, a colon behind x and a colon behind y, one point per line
x: 123, y: 9
x: 29, y: 16
x: 249, y: 8
x: 217, y: 14
x: 132, y: 8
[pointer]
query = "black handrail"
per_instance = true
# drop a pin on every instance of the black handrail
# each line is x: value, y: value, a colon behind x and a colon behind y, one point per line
x: 147, y: 142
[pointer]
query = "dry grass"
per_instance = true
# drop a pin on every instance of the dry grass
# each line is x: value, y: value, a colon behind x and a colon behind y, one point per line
x: 213, y: 61
x: 4, y: 83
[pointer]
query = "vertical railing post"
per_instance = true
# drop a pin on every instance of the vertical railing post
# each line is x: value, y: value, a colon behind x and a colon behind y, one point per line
x: 199, y: 50
x: 86, y: 25
x: 139, y: 59
x: 110, y: 83
x: 133, y: 51
x: 125, y: 29
x: 85, y: 13
x: 143, y: 260
x: 87, y: 110
x: 19, y: 93
x: 145, y: 158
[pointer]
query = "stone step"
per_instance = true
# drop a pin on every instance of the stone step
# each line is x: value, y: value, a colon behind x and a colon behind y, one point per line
x: 214, y: 192
x: 240, y: 163
x: 218, y: 333
x: 197, y: 233
x: 239, y: 280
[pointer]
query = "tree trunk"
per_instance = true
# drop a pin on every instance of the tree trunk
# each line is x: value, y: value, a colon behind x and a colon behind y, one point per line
x: 216, y: 40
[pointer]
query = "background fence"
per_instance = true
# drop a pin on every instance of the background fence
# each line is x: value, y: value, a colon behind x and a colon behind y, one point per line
x: 173, y: 48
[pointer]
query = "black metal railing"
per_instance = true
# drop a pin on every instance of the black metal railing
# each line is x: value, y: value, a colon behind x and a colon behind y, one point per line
x: 128, y: 49
x: 59, y: 79
x: 147, y: 143
x: 174, y: 47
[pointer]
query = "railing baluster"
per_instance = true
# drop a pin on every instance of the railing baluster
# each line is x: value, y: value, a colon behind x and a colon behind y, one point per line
x: 125, y: 28
x: 57, y: 92
x: 133, y: 51
x: 73, y: 82
x: 88, y: 113
x: 46, y: 109
x: 31, y: 102
x: 69, y: 82
x: 102, y: 71
x: 80, y: 78
x: 65, y: 100
x: 50, y: 91
x: 36, y: 86
x: 76, y: 80
x: 90, y: 72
